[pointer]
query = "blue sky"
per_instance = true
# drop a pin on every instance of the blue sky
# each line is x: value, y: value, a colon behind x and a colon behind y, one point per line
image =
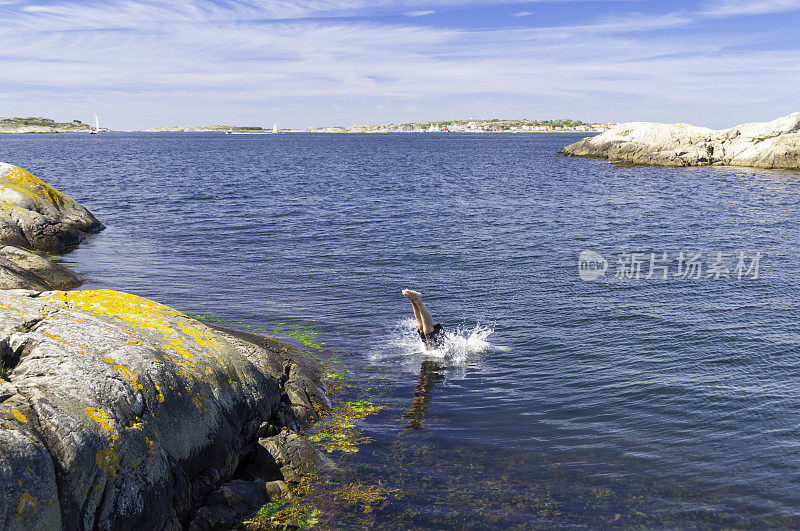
x: 329, y: 62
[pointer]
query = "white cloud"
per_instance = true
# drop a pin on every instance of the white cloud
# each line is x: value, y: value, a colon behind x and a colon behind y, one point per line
x: 200, y: 62
x: 742, y: 8
x: 420, y: 13
x: 523, y: 14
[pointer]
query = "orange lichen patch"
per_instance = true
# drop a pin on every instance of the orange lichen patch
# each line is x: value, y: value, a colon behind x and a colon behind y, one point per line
x: 27, y: 505
x: 102, y: 418
x: 134, y: 343
x: 32, y: 187
x: 107, y: 460
x: 19, y: 416
x: 129, y: 375
x: 107, y: 359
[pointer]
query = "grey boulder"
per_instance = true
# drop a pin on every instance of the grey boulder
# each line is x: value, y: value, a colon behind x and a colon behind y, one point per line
x: 119, y: 412
x: 21, y: 269
x: 36, y: 216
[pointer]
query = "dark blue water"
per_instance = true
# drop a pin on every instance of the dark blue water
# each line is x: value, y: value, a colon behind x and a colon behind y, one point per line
x: 615, y: 402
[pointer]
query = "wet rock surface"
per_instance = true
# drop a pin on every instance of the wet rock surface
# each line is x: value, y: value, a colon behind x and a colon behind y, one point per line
x: 774, y: 144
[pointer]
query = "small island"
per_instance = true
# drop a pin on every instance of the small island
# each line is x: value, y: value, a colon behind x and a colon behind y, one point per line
x: 218, y: 128
x: 37, y: 124
x: 774, y: 144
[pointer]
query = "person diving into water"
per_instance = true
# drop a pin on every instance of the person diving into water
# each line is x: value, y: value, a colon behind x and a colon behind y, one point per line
x: 432, y: 336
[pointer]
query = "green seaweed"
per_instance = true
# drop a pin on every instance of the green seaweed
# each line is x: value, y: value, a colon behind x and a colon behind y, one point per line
x: 270, y: 509
x: 306, y: 335
x: 295, y: 514
x: 366, y: 496
x: 338, y: 432
x: 209, y: 317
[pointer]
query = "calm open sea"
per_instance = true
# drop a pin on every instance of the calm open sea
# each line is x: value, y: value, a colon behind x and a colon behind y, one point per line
x: 557, y: 402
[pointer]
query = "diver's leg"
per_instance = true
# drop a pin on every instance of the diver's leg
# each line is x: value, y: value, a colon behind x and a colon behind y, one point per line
x: 418, y: 317
x: 420, y: 311
x: 407, y: 293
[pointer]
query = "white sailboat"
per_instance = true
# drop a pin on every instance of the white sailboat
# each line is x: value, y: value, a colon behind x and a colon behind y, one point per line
x: 275, y: 128
x: 96, y: 124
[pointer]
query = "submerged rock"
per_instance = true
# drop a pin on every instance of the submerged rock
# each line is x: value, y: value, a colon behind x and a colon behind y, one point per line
x: 36, y: 216
x: 774, y: 144
x: 121, y: 412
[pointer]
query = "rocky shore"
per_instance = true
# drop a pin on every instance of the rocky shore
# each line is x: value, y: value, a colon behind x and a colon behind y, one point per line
x: 120, y: 412
x: 774, y: 144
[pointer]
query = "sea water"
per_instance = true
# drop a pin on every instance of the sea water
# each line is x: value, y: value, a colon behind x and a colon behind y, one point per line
x: 554, y: 401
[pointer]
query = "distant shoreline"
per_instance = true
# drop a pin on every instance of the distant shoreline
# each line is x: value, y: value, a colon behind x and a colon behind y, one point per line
x: 299, y: 131
x: 445, y: 126
x: 31, y: 125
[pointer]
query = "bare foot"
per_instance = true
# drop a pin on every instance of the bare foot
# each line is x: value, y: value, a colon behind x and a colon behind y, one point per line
x: 412, y: 295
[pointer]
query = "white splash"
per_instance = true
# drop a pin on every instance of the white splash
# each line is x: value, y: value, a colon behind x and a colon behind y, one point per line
x: 459, y: 346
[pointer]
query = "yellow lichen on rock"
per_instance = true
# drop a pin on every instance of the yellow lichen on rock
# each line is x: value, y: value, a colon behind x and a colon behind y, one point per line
x: 31, y: 186
x: 141, y: 313
x: 129, y: 375
x: 27, y: 505
x: 107, y: 460
x: 102, y: 418
x: 132, y: 309
x: 141, y: 393
x: 138, y: 314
